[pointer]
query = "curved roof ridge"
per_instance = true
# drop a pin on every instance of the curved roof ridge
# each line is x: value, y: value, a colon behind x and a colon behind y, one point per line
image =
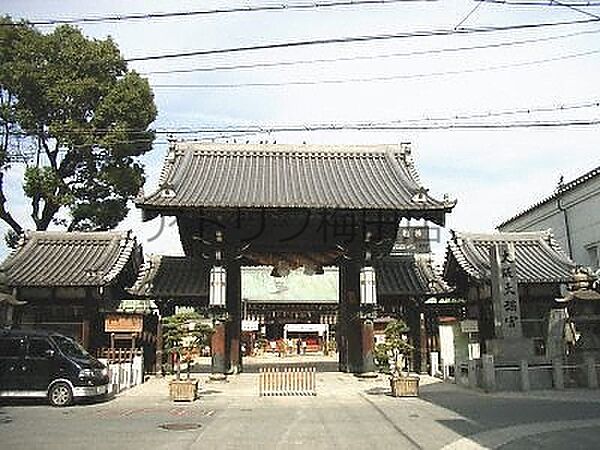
x: 146, y: 274
x: 426, y: 269
x: 555, y: 251
x: 539, y: 258
x: 127, y: 247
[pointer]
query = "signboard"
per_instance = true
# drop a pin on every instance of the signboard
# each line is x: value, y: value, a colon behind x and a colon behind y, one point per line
x: 123, y: 323
x: 306, y: 328
x: 250, y: 325
x: 505, y: 291
x: 469, y: 326
x: 414, y: 239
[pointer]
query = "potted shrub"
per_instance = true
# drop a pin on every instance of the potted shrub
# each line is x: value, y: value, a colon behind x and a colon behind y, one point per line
x: 402, y: 385
x: 183, y: 335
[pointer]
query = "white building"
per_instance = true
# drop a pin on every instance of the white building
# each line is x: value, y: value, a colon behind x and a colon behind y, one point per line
x: 573, y: 214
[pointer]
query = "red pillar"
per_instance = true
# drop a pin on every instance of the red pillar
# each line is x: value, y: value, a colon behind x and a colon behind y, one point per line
x: 218, y: 349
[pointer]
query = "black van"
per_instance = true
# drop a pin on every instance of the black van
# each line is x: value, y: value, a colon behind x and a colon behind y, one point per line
x: 47, y: 364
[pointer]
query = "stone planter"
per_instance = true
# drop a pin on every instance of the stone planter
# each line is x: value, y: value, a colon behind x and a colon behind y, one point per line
x: 405, y: 386
x: 183, y: 390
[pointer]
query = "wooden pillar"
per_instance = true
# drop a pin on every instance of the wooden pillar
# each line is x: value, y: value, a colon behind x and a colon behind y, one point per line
x: 351, y: 357
x: 340, y: 331
x: 368, y: 347
x: 423, y: 350
x: 159, y: 347
x: 234, y: 308
x: 218, y: 349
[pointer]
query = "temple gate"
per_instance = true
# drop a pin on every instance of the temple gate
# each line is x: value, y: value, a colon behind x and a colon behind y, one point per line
x: 291, y: 206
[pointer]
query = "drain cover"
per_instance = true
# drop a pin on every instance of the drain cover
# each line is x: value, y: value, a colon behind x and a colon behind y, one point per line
x: 179, y: 426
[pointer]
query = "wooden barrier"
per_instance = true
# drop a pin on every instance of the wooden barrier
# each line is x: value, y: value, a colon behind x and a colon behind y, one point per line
x: 118, y: 355
x: 287, y: 381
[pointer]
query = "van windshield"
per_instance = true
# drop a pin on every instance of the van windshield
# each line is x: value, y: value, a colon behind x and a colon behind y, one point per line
x: 70, y: 347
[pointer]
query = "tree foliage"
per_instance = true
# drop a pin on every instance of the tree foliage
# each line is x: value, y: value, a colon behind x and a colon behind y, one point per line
x: 183, y: 334
x: 390, y: 355
x: 70, y: 108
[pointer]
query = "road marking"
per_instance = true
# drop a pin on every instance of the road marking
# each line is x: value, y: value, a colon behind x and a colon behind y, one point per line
x: 502, y: 436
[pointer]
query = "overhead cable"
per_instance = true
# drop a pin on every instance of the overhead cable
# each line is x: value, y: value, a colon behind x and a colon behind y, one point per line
x: 364, y: 38
x: 373, y: 79
x: 370, y: 56
x: 209, y: 12
x: 433, y: 118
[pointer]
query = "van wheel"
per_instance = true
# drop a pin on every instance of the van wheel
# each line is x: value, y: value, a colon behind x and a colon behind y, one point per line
x: 60, y: 394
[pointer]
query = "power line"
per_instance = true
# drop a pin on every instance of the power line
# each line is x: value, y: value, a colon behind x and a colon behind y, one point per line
x: 392, y: 127
x: 574, y: 8
x: 569, y: 5
x: 225, y: 133
x: 374, y: 79
x: 261, y: 128
x: 365, y: 38
x: 230, y: 133
x: 538, y: 3
x: 208, y: 12
x: 469, y: 14
x: 368, y: 57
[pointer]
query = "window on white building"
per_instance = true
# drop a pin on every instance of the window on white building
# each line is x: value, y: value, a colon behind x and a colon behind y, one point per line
x: 594, y: 256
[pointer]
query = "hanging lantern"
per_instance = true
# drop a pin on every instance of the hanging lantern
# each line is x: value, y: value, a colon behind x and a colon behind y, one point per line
x: 368, y: 288
x: 218, y: 284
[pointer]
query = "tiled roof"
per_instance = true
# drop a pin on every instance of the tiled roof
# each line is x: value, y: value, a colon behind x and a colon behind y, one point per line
x: 369, y: 177
x: 171, y: 277
x: 539, y: 258
x: 411, y: 275
x: 562, y: 189
x: 75, y: 259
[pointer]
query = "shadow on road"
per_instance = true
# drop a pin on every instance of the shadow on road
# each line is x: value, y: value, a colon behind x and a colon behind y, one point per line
x: 479, y: 411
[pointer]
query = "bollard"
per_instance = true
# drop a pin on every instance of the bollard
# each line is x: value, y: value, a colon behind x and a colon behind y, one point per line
x: 489, y: 373
x: 525, y: 384
x: 592, y: 375
x: 472, y: 373
x: 558, y: 376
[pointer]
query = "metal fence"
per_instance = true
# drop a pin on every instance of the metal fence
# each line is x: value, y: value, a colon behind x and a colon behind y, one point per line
x: 287, y: 381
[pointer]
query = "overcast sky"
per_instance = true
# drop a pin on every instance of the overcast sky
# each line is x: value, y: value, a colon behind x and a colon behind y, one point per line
x: 493, y: 173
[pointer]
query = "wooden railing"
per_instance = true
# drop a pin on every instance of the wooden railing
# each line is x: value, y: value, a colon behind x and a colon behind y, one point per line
x: 118, y: 355
x: 287, y: 381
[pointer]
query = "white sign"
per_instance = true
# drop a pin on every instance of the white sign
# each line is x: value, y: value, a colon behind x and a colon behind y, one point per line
x: 250, y: 325
x: 469, y: 326
x: 306, y: 328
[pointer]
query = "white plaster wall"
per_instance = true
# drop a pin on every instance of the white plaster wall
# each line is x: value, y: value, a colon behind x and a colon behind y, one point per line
x: 582, y: 205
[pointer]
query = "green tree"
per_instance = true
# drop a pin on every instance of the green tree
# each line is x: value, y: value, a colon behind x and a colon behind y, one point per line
x: 395, y: 348
x: 72, y: 111
x: 183, y: 335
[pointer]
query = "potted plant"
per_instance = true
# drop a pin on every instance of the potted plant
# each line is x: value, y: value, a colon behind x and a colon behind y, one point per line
x: 397, y: 346
x: 183, y: 334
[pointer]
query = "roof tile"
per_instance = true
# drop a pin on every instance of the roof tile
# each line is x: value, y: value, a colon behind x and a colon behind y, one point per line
x: 56, y: 258
x: 290, y: 176
x: 539, y: 258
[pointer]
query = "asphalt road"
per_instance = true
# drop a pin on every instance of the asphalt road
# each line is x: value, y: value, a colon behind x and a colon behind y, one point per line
x: 347, y: 413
